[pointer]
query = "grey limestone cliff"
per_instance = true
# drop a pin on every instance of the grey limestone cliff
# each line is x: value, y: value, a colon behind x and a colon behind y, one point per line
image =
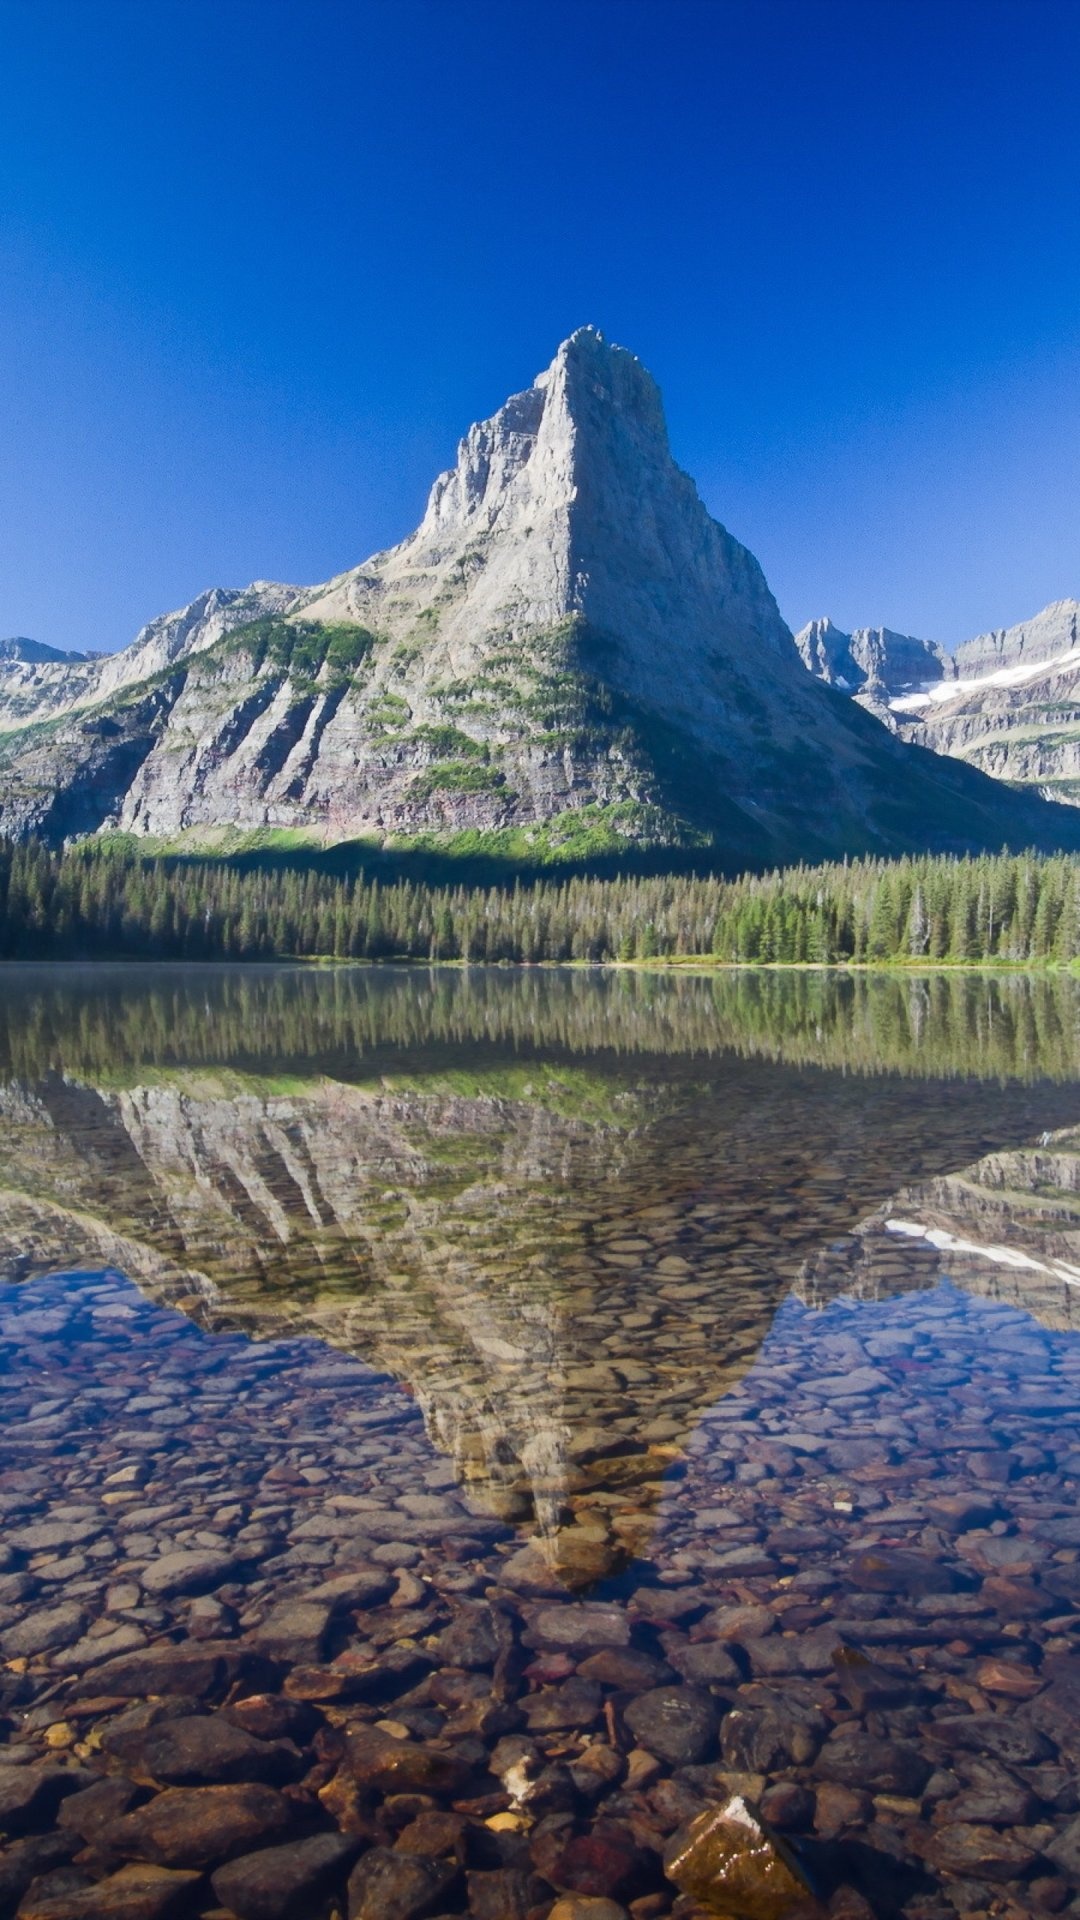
x: 1054, y: 631
x: 873, y: 664
x: 568, y: 654
x: 1007, y: 702
x: 1016, y: 711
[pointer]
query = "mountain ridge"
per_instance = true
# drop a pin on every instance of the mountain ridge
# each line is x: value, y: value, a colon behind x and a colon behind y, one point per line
x: 872, y: 664
x: 17, y: 647
x: 1007, y: 701
x: 569, y: 651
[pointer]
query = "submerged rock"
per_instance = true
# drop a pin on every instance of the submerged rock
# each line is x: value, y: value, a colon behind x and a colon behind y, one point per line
x: 390, y: 1765
x: 398, y: 1886
x: 278, y: 1883
x: 205, y: 1750
x: 729, y: 1861
x: 135, y: 1893
x: 582, y: 1906
x: 678, y: 1724
x: 198, y: 1826
x: 979, y: 1853
x: 29, y: 1795
x: 193, y: 1571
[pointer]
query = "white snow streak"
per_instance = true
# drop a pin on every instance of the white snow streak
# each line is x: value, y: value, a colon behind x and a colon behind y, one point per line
x: 941, y: 690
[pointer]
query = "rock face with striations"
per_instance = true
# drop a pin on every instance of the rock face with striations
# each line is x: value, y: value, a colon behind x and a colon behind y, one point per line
x: 568, y: 654
x: 873, y: 664
x: 1016, y: 711
x: 1007, y: 702
x: 1034, y: 642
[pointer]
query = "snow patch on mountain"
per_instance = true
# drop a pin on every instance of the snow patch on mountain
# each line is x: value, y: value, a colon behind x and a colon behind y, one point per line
x: 1016, y: 676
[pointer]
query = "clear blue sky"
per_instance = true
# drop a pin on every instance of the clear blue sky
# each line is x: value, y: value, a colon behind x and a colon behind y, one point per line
x: 262, y: 262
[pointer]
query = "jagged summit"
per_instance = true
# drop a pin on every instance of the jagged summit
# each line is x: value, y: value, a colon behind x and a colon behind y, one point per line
x: 550, y: 424
x: 567, y: 504
x: 823, y: 647
x: 873, y: 663
x: 1007, y: 701
x: 569, y: 654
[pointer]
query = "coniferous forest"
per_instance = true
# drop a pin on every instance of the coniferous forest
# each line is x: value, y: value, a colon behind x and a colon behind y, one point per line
x: 93, y: 900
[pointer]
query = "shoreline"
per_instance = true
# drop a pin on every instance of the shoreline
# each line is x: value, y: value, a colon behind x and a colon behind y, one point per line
x: 672, y: 963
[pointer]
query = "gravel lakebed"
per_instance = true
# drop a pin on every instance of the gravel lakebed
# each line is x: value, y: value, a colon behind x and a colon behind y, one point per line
x: 263, y: 1657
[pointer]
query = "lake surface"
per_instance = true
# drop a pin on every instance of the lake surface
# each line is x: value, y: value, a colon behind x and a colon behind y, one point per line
x: 470, y: 1424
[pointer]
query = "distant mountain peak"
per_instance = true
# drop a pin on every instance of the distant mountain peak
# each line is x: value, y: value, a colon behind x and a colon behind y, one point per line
x: 1052, y: 631
x: 873, y: 663
x: 1007, y: 702
x: 34, y: 652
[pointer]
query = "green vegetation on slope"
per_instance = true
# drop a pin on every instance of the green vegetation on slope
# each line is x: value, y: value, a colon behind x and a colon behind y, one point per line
x: 300, y: 648
x: 456, y: 776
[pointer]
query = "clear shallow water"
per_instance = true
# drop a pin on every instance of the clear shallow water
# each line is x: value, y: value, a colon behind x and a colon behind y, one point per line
x: 743, y: 1308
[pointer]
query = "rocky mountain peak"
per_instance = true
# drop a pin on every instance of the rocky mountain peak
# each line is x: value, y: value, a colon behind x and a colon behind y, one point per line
x: 566, y: 505
x: 874, y: 663
x: 593, y: 377
x: 33, y: 652
x: 1007, y: 701
x: 1045, y: 637
x: 821, y: 645
x: 527, y: 456
x: 569, y: 652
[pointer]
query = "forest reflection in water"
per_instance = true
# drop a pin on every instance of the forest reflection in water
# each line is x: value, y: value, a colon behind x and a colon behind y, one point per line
x: 561, y: 1208
x: 88, y: 1020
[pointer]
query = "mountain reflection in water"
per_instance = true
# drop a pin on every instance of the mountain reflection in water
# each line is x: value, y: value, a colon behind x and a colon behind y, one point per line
x: 561, y: 1209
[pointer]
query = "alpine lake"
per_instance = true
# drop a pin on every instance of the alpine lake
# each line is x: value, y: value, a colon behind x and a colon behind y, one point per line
x: 463, y: 1431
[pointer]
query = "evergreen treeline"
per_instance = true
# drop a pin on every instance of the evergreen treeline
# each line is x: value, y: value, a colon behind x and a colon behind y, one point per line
x: 97, y: 901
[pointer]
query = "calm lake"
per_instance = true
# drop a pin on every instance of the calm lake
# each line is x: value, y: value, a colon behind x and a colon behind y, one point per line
x: 470, y: 1423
